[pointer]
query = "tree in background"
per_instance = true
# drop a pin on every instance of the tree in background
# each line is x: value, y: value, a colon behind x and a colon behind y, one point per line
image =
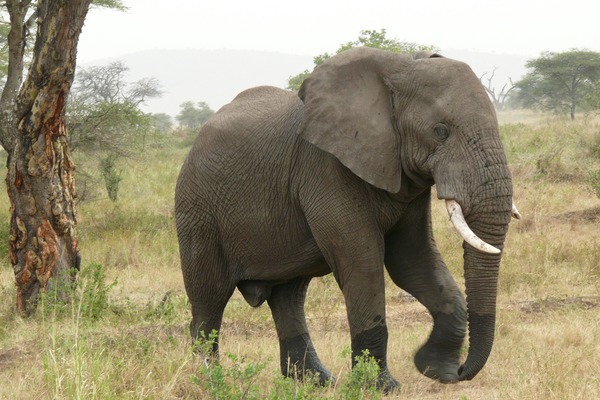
x: 162, y: 123
x: 367, y: 38
x: 193, y: 115
x: 104, y: 114
x: 106, y: 122
x: 106, y: 84
x: 498, y: 98
x: 561, y: 82
x: 43, y: 247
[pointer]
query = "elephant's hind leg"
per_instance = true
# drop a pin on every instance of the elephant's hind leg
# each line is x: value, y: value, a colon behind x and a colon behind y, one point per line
x: 208, y: 287
x: 207, y: 315
x: 298, y: 356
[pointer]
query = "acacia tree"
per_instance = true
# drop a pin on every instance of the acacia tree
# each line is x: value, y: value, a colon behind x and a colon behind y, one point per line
x: 43, y: 246
x: 367, y: 38
x: 104, y: 112
x: 560, y: 82
x: 106, y: 122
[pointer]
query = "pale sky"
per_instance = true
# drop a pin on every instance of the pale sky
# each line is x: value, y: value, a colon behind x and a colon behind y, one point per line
x: 311, y: 27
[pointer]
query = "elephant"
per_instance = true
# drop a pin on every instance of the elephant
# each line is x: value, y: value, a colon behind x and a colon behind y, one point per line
x: 281, y: 187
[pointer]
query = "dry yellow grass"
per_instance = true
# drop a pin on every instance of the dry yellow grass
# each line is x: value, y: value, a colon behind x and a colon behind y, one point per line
x: 548, y: 331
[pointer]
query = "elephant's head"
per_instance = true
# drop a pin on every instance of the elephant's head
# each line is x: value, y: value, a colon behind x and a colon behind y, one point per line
x: 390, y: 117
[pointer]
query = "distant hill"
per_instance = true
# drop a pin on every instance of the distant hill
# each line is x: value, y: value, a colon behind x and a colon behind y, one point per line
x: 214, y: 76
x: 217, y: 76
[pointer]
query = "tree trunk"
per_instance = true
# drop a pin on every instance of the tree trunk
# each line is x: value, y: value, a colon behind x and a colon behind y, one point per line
x: 43, y: 245
x: 16, y: 44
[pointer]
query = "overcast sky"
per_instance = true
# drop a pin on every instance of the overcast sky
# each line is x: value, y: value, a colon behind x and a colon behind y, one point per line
x: 311, y: 27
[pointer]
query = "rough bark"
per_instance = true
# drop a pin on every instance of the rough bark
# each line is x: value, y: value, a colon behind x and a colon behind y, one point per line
x: 43, y: 246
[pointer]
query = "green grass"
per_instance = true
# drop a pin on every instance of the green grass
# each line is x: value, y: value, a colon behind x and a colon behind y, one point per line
x: 125, y: 334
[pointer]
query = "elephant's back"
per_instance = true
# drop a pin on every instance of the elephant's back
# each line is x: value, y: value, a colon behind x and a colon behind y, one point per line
x: 255, y: 116
x: 243, y: 145
x: 263, y: 113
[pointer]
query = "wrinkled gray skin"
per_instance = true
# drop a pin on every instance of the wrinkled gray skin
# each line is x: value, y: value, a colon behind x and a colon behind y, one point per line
x: 282, y: 187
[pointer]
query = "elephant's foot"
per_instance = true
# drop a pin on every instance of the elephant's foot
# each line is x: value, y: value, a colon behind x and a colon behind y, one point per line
x: 320, y: 377
x: 435, y: 362
x: 386, y: 382
x: 439, y: 358
x: 299, y: 360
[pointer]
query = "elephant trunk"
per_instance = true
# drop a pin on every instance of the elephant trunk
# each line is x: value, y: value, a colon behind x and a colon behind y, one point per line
x: 481, y: 278
x: 481, y: 311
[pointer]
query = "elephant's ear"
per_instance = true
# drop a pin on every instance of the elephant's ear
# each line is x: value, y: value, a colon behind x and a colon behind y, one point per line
x: 348, y: 112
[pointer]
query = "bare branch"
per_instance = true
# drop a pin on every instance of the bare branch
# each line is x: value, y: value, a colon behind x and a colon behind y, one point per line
x: 497, y: 98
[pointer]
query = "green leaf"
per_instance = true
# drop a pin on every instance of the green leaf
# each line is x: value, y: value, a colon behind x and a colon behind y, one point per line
x: 112, y: 4
x: 367, y: 38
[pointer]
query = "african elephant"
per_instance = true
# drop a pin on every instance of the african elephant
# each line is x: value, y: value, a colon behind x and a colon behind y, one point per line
x: 282, y: 187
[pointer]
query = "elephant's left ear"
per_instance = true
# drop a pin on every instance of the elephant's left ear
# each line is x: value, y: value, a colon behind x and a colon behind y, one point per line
x: 348, y: 112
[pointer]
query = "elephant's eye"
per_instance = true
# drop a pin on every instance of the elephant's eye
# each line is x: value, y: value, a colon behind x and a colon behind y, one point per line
x: 441, y: 131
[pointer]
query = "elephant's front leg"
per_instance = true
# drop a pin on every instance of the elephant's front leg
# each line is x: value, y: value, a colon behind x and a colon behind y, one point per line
x: 415, y: 265
x: 343, y: 225
x: 364, y: 293
x: 358, y: 268
x: 434, y: 287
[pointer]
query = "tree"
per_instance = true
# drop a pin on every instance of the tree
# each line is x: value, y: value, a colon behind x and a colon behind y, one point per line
x: 106, y: 122
x: 367, y: 38
x: 499, y: 99
x: 104, y: 114
x: 13, y: 54
x: 106, y: 84
x: 20, y: 15
x: 560, y: 82
x: 43, y: 247
x: 162, y: 123
x: 17, y: 34
x: 192, y: 117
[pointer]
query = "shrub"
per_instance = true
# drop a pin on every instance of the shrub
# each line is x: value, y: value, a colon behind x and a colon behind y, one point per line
x: 362, y: 382
x: 112, y: 177
x: 594, y: 180
x: 88, y: 300
x: 94, y: 292
x: 236, y: 381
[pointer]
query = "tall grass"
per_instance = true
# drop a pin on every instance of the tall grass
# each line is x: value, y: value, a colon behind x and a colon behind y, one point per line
x: 124, y: 335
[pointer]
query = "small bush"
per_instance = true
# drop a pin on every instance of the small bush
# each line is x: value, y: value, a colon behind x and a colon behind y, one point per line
x: 550, y: 162
x: 285, y: 388
x: 594, y: 181
x: 594, y: 145
x: 94, y: 292
x: 112, y: 177
x: 88, y: 299
x: 234, y: 381
x: 362, y: 382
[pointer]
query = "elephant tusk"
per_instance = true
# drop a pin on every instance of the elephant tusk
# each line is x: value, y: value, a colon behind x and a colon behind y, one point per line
x: 515, y: 212
x: 458, y: 220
